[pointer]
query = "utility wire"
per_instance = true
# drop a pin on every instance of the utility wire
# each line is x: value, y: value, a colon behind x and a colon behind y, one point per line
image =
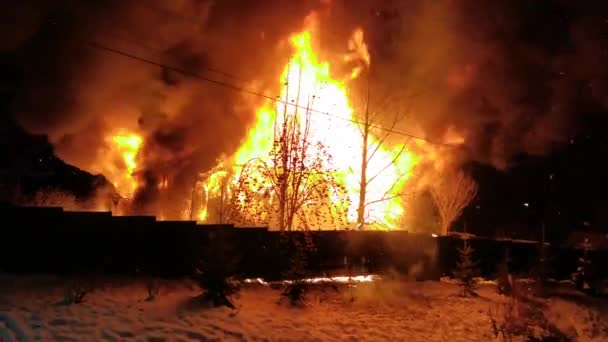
x: 161, y: 52
x: 237, y: 88
x: 193, y: 20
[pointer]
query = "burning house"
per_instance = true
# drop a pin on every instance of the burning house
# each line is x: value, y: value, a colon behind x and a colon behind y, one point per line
x: 321, y: 114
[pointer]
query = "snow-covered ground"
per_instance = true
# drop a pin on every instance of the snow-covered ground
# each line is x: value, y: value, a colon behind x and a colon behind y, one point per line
x: 31, y: 310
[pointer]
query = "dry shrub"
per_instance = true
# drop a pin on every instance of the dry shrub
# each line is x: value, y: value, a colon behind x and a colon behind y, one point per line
x: 517, y: 320
x: 153, y: 287
x: 295, y: 292
x: 510, y: 320
x: 76, y: 290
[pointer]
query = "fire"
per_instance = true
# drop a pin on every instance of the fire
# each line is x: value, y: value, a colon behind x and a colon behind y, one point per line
x: 124, y: 147
x: 308, y: 82
x: 163, y: 183
x: 359, y: 51
x: 214, y: 186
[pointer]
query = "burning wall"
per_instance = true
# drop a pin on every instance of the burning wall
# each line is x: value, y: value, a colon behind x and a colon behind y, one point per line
x: 494, y: 78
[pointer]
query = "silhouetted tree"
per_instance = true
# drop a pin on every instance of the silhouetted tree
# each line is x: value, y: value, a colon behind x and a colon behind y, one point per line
x: 374, y: 135
x: 504, y: 279
x: 293, y: 188
x: 298, y: 267
x: 452, y: 194
x: 217, y: 266
x: 466, y: 270
x: 542, y: 268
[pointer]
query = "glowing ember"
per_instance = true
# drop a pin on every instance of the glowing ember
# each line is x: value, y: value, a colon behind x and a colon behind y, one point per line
x: 308, y: 83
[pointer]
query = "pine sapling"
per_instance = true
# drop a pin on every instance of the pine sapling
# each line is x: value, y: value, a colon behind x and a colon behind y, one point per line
x: 216, y: 270
x: 504, y: 278
x: 153, y: 288
x: 296, y: 290
x: 218, y: 287
x: 580, y: 277
x: 542, y: 270
x: 466, y: 271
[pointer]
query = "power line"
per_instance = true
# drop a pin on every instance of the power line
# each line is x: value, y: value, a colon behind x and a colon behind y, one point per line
x: 167, y: 14
x: 161, y: 52
x: 193, y: 20
x: 248, y: 91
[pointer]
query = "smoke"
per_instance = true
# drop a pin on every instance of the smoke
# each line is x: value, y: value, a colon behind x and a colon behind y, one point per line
x: 507, y: 77
x: 80, y: 94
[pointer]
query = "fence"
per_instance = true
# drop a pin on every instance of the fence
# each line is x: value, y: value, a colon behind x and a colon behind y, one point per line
x: 51, y: 240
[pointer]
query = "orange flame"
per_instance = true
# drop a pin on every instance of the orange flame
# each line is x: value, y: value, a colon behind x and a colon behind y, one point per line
x: 213, y: 186
x: 124, y: 147
x: 334, y: 124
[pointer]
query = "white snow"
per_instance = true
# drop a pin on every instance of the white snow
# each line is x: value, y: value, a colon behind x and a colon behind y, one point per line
x: 30, y: 309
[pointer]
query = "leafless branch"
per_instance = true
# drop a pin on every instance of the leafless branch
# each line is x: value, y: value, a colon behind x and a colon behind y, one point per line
x: 392, y: 162
x: 451, y: 195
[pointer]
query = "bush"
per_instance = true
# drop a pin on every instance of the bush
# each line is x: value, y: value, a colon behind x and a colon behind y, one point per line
x: 295, y: 292
x: 520, y: 320
x: 153, y: 287
x: 74, y: 295
x: 76, y: 291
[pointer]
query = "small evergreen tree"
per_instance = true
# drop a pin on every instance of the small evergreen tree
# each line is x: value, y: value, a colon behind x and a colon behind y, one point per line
x: 218, y: 287
x: 153, y: 288
x: 466, y: 271
x: 542, y: 271
x: 298, y: 269
x: 216, y: 269
x: 504, y: 279
x: 581, y: 276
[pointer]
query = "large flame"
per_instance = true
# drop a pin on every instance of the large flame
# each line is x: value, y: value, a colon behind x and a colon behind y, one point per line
x: 122, y: 161
x: 308, y: 82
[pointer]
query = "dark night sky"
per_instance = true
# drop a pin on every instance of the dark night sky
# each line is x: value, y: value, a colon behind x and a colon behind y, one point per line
x: 565, y: 190
x: 531, y: 56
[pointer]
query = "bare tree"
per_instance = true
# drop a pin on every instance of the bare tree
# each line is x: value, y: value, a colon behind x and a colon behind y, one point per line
x: 393, y: 107
x: 292, y: 188
x: 451, y: 195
